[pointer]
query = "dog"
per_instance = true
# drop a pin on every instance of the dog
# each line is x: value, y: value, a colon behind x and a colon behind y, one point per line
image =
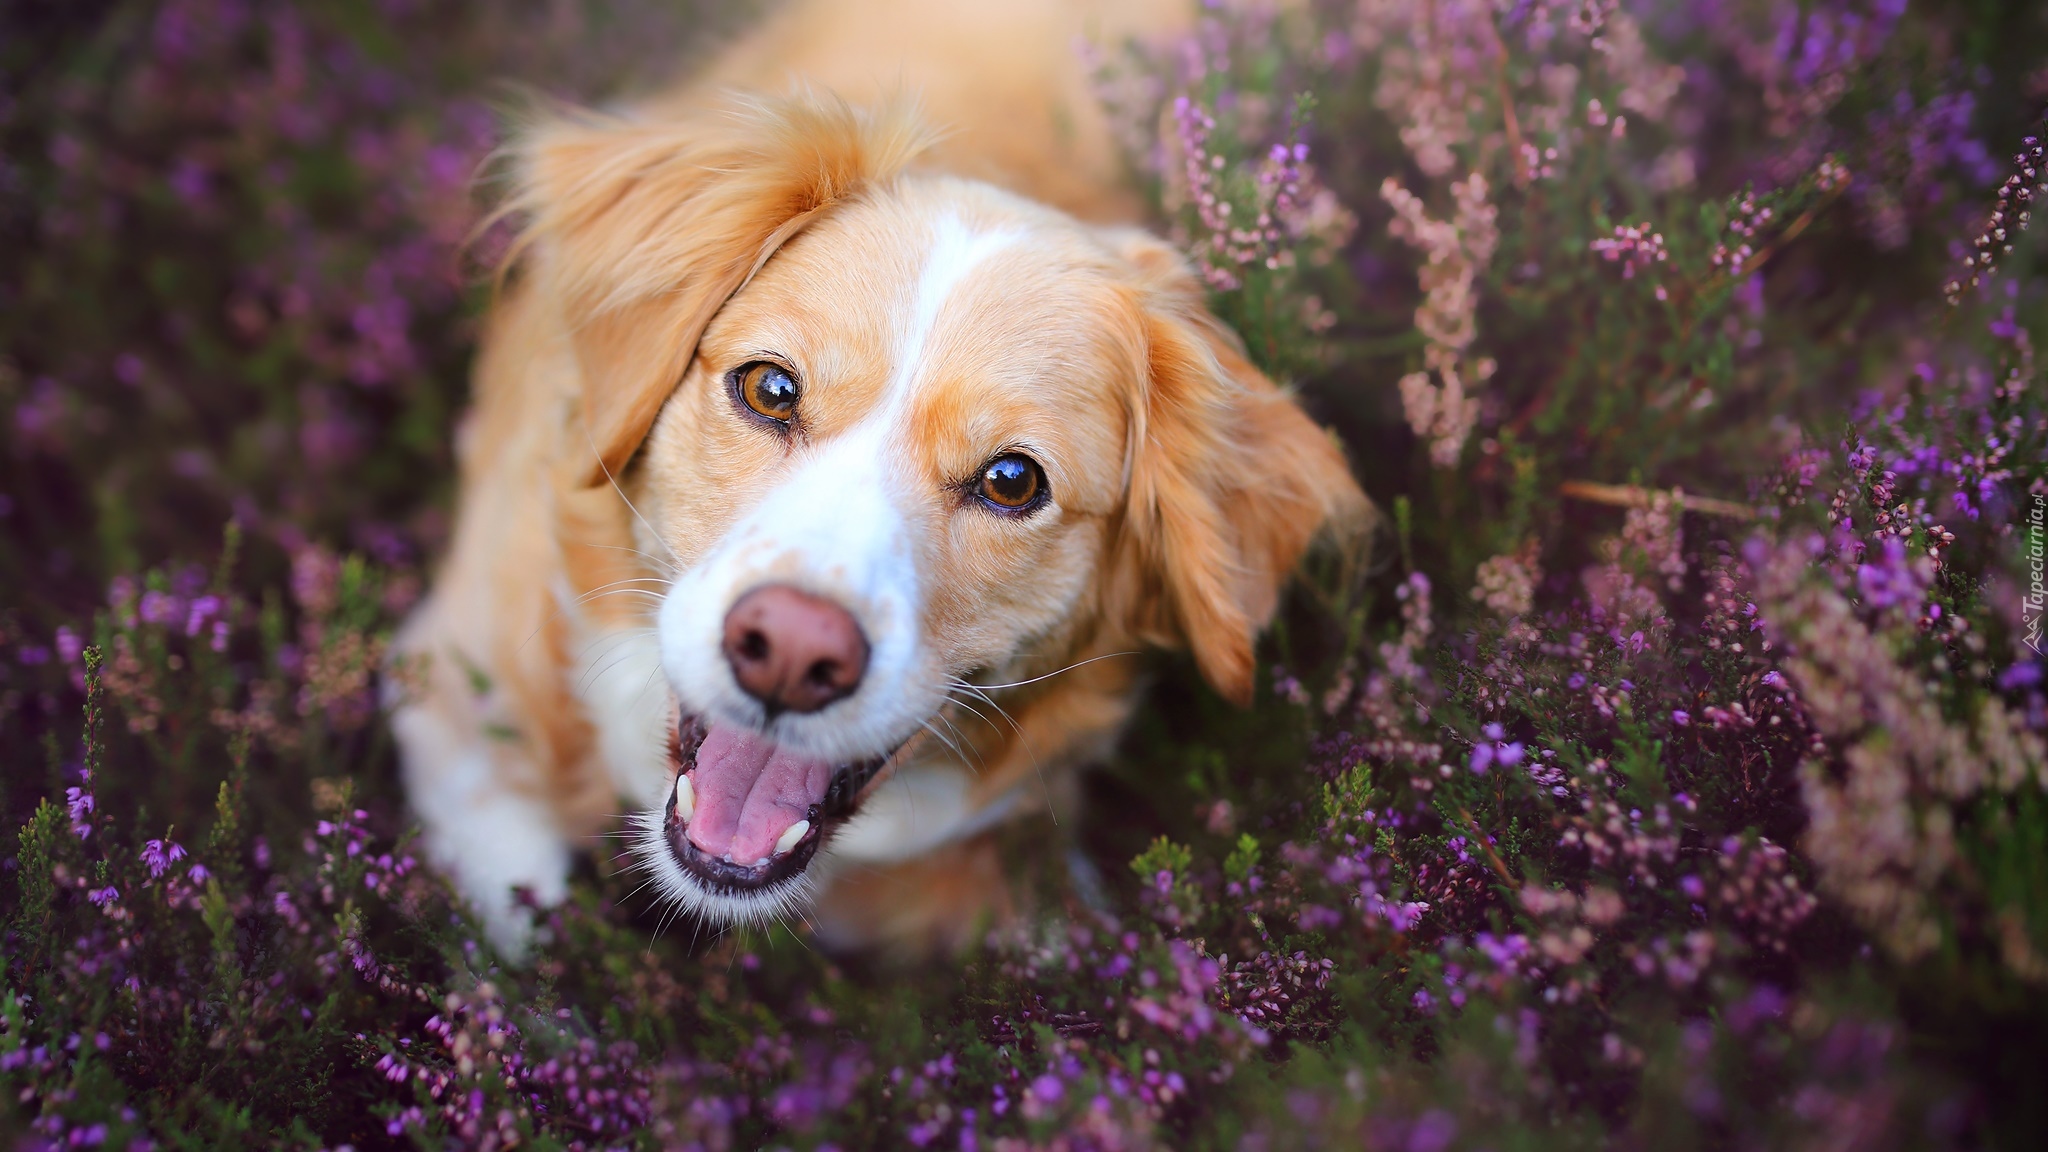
x: 828, y: 462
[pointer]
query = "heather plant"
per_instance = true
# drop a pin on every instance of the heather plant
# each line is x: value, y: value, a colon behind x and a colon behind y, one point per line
x: 1676, y: 773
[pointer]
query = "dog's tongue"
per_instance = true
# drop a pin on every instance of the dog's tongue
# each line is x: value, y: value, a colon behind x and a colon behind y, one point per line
x: 749, y: 792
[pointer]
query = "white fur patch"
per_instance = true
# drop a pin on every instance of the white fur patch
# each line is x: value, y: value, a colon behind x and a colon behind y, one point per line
x: 620, y: 682
x: 919, y: 808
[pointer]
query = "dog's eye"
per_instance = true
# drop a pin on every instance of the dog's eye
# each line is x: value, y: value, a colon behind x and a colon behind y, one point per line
x: 768, y: 389
x: 1012, y: 482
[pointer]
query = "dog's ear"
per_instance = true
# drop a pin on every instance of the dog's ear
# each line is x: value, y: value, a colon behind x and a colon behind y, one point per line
x: 1230, y: 481
x: 639, y: 231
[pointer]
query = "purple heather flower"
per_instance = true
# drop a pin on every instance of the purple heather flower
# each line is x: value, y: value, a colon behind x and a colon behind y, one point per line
x: 157, y: 607
x: 79, y: 803
x: 159, y: 855
x: 202, y: 610
x: 1433, y: 1132
x: 1893, y: 579
x: 2022, y: 675
x: 102, y: 897
x: 1482, y: 758
x: 1681, y: 717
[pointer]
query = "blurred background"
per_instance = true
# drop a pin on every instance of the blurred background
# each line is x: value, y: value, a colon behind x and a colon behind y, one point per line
x: 1674, y: 778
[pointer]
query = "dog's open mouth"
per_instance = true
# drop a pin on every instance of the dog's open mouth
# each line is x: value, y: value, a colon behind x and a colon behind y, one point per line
x: 746, y: 816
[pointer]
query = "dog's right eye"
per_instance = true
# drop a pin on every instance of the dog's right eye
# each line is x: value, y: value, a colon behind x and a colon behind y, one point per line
x: 768, y: 389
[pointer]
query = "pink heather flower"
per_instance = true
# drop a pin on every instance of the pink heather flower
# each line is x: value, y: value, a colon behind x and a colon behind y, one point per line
x: 1632, y: 246
x: 1506, y: 584
x: 316, y: 576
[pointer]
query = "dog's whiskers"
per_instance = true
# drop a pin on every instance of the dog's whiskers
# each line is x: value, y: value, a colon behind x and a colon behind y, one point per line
x: 1051, y: 674
x: 1037, y: 767
x: 618, y: 640
x: 595, y: 594
x: 626, y: 583
x: 963, y: 702
x: 978, y: 759
x: 975, y: 690
x: 943, y: 739
x: 642, y: 553
x: 614, y: 481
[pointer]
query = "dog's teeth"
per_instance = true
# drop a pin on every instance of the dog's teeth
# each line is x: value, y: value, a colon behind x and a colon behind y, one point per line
x: 791, y: 835
x: 686, y: 799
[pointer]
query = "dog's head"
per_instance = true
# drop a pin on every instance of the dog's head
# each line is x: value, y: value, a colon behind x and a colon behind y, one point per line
x: 894, y: 431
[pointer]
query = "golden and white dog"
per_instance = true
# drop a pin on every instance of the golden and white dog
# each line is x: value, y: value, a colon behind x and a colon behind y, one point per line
x: 809, y: 443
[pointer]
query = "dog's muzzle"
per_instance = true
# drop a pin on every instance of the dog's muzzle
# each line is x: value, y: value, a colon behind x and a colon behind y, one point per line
x: 734, y: 843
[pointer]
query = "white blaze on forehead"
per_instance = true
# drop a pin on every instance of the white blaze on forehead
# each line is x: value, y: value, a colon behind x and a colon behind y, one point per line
x: 954, y: 253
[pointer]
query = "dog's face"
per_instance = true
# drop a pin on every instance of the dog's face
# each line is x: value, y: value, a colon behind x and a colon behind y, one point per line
x: 894, y: 463
x: 934, y: 433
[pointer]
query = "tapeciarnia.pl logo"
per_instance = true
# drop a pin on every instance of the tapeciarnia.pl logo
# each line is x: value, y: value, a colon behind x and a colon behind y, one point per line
x: 2037, y: 593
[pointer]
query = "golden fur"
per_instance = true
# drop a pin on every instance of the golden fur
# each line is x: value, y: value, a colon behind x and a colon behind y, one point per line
x: 602, y: 456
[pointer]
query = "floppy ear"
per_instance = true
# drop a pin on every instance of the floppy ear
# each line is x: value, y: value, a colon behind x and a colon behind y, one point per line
x: 1230, y: 479
x: 641, y: 231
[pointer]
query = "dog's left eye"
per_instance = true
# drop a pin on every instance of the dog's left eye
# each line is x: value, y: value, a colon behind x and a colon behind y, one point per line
x: 768, y: 389
x: 1012, y: 482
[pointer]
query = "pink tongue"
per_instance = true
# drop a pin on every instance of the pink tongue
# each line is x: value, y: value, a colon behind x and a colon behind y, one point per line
x: 749, y: 792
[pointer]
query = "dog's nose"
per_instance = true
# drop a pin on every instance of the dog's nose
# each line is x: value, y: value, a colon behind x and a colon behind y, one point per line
x: 793, y: 651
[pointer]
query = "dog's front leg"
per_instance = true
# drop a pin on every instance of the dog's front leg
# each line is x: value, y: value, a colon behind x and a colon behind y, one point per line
x: 483, y: 820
